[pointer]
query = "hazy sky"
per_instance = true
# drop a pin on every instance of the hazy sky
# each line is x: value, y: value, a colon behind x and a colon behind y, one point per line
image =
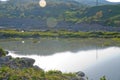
x: 107, y: 0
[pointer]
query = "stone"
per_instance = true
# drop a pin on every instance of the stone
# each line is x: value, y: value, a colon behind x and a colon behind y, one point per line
x: 21, y: 63
x: 37, y: 67
x: 7, y: 52
x: 80, y: 74
x: 28, y: 61
x: 5, y: 59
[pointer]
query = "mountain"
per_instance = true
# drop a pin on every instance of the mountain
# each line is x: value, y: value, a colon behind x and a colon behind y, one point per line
x: 94, y: 2
x: 59, y: 15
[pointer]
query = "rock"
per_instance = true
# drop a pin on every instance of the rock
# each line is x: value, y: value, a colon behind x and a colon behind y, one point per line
x: 80, y: 74
x: 37, y: 67
x: 21, y: 63
x: 28, y: 61
x: 7, y: 52
x: 5, y: 59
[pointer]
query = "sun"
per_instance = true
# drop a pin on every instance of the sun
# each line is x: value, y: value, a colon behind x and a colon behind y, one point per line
x: 42, y: 3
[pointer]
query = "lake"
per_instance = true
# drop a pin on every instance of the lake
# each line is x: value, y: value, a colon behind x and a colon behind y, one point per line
x: 95, y: 57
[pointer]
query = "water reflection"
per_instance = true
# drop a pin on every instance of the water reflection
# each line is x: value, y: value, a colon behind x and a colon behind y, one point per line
x: 73, y: 62
x: 96, y: 57
x: 108, y: 67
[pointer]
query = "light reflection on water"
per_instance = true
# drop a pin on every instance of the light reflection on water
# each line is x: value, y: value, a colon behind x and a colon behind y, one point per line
x: 73, y: 62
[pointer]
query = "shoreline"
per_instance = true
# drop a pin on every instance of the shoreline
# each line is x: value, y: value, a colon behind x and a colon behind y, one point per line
x: 18, y: 65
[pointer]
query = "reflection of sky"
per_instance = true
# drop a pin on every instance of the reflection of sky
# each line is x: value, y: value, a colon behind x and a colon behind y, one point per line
x: 72, y: 62
x: 108, y: 67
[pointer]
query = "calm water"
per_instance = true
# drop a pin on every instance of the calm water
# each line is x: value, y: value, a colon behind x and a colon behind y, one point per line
x: 95, y: 57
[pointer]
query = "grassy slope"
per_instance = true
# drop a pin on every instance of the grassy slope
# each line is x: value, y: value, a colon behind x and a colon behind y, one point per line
x: 61, y: 34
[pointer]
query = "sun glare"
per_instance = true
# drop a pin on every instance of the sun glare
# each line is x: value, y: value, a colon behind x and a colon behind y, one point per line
x: 42, y: 3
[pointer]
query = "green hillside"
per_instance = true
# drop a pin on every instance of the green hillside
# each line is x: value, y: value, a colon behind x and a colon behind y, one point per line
x: 31, y: 9
x: 108, y: 14
x: 27, y: 14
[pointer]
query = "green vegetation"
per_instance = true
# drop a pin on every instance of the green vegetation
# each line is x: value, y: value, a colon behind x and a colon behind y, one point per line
x: 103, y: 78
x: 64, y: 11
x: 32, y: 74
x: 61, y: 34
x: 2, y: 52
x: 58, y: 75
x: 21, y: 74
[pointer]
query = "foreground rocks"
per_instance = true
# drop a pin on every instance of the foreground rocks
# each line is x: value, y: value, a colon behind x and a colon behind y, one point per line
x: 17, y: 62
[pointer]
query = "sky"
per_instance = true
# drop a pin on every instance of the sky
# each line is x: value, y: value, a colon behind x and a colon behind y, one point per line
x: 107, y: 0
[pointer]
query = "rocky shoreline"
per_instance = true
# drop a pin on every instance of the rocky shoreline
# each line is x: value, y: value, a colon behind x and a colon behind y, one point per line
x: 26, y: 63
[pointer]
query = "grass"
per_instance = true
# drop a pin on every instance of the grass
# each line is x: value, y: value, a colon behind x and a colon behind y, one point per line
x: 14, y: 34
x: 32, y: 74
x: 35, y: 74
x: 21, y: 74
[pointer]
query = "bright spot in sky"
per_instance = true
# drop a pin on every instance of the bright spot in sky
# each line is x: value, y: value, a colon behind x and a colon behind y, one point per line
x: 114, y: 0
x: 3, y: 0
x: 42, y: 3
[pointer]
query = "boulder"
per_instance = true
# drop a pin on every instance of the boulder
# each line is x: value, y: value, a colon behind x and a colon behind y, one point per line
x: 80, y: 74
x: 37, y: 67
x: 5, y: 59
x: 21, y: 63
x: 28, y: 61
x: 7, y: 52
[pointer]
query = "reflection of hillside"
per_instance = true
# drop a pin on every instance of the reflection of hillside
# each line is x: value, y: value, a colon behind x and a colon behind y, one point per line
x: 49, y: 46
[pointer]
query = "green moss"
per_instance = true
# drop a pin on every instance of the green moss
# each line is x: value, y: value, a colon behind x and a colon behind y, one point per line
x: 2, y: 52
x: 31, y: 74
x: 35, y: 74
x: 116, y: 39
x: 21, y: 74
x: 103, y: 78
